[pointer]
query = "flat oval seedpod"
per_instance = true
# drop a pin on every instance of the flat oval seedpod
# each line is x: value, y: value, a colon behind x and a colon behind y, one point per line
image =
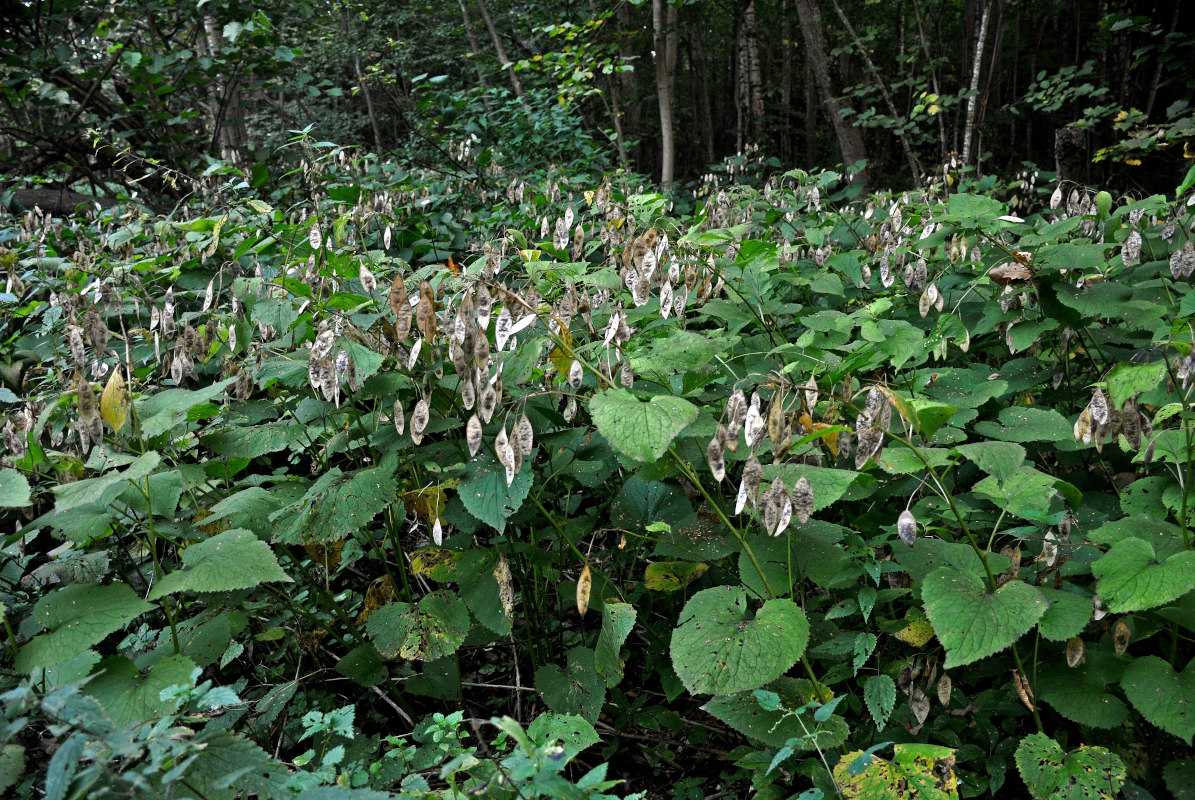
x: 414, y: 355
x: 425, y: 311
x: 461, y: 360
x: 398, y: 296
x: 524, y: 322
x: 919, y: 705
x: 1121, y: 636
x: 487, y: 402
x: 506, y: 589
x: 485, y: 306
x: 749, y: 486
x: 754, y: 423
x: 437, y: 532
x: 906, y: 527
x: 716, y: 459
x: 776, y: 421
x: 506, y: 455
x: 945, y: 687
x: 481, y: 352
x: 736, y: 407
x: 419, y: 419
x: 626, y: 376
x: 769, y: 511
x: 402, y: 325
x: 468, y: 393
x: 368, y: 281
x: 523, y: 436
x: 78, y: 353
x: 502, y: 328
x: 473, y: 434
x: 400, y: 418
x: 802, y: 499
x: 1076, y: 652
x: 576, y: 374
x: 1023, y: 691
x: 584, y: 586
x: 666, y: 297
x: 314, y: 238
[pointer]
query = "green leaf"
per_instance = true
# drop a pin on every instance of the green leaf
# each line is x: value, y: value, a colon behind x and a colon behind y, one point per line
x: 159, y: 412
x: 434, y: 629
x: 972, y: 623
x: 641, y: 431
x: 104, y: 489
x: 485, y: 494
x: 130, y: 697
x: 1129, y: 380
x: 1164, y: 697
x: 363, y: 664
x: 931, y: 415
x: 575, y: 689
x: 1067, y: 615
x: 339, y: 504
x: 776, y: 727
x: 679, y: 351
x: 229, y: 561
x: 921, y: 771
x: 1179, y: 773
x: 77, y: 617
x: 1082, y: 774
x: 225, y: 760
x: 720, y: 647
x: 12, y: 765
x: 574, y: 732
x: 829, y: 485
x: 669, y: 576
x: 998, y: 459
x: 258, y: 440
x: 617, y: 621
x: 1026, y: 493
x: 1027, y: 424
x: 1131, y: 577
x: 1081, y: 693
x: 14, y: 490
x: 879, y: 693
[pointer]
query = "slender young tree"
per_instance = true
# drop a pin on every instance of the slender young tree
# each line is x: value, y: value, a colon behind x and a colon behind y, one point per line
x: 973, y: 90
x: 664, y: 16
x: 506, y: 63
x: 850, y: 141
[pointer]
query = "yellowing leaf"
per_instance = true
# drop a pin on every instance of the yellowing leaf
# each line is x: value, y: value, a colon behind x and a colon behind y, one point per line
x: 114, y: 402
x: 560, y: 359
x: 916, y: 633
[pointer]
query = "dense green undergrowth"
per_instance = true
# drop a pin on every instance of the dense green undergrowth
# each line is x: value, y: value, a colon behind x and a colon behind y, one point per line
x: 535, y: 489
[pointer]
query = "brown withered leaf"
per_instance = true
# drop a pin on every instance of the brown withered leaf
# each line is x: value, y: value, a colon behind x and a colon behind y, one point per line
x: 1011, y: 272
x: 1024, y: 692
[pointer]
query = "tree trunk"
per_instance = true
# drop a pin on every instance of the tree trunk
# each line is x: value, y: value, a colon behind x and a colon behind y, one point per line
x: 786, y: 85
x: 229, y: 135
x: 878, y: 79
x: 699, y: 67
x: 752, y: 78
x: 663, y: 16
x: 850, y: 142
x: 973, y: 92
x: 506, y: 63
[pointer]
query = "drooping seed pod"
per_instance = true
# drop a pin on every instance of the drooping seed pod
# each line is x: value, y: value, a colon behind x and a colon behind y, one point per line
x: 485, y: 307
x: 1076, y: 652
x: 754, y: 423
x: 502, y: 328
x: 1049, y: 548
x: 945, y: 687
x: 906, y: 527
x: 97, y: 331
x: 506, y: 590
x: 802, y: 499
x: 1021, y: 684
x: 368, y: 281
x: 425, y: 311
x: 76, y: 344
x: 523, y: 436
x: 1121, y: 636
x: 584, y: 586
x: 666, y: 297
x: 481, y: 352
x: 749, y: 486
x: 468, y: 392
x: 919, y: 704
x: 487, y: 402
x: 716, y: 459
x: 506, y: 455
x: 626, y: 376
x: 473, y: 435
x: 576, y: 374
x: 776, y: 422
x: 420, y: 416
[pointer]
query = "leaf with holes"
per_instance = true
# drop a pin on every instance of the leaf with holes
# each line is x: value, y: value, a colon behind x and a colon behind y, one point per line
x: 922, y: 771
x: 576, y: 688
x: 434, y: 629
x: 720, y: 646
x: 973, y: 623
x: 1087, y: 773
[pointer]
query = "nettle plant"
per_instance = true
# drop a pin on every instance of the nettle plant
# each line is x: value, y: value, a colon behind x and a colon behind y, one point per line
x: 801, y: 458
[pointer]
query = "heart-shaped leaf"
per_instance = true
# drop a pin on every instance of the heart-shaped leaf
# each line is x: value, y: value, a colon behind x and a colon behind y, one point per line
x: 973, y: 623
x: 1088, y: 772
x: 1164, y: 697
x: 641, y: 431
x: 721, y: 647
x: 1132, y: 577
